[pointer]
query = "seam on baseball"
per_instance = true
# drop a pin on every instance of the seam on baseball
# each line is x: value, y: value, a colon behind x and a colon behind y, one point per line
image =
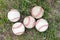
x: 43, y: 26
x: 17, y: 26
x: 28, y: 21
x: 18, y: 33
x: 37, y: 13
x: 16, y: 18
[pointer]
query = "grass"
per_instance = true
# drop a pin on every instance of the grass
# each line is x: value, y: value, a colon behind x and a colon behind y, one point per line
x: 24, y: 7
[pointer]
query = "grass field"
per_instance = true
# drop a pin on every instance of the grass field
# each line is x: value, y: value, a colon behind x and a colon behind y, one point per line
x: 24, y: 7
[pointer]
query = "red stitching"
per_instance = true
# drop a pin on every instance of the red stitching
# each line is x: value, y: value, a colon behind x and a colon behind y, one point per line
x: 37, y: 14
x: 28, y: 21
x: 15, y: 18
x: 18, y: 33
x: 17, y: 26
x: 43, y: 26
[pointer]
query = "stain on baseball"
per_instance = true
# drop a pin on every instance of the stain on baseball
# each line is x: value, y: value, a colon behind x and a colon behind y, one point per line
x: 29, y: 22
x: 37, y: 12
x: 13, y: 15
x: 41, y: 25
x: 18, y: 28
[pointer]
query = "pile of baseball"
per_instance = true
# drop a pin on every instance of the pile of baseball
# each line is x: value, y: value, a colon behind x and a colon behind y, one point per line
x: 29, y: 21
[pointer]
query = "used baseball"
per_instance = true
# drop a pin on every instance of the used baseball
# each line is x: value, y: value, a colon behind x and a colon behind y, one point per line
x: 29, y: 22
x: 41, y: 25
x: 13, y: 15
x: 18, y: 28
x: 37, y: 12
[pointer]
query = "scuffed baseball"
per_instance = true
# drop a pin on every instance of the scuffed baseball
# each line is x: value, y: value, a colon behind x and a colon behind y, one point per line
x: 18, y: 28
x: 37, y: 12
x: 29, y: 22
x: 41, y: 25
x: 13, y: 15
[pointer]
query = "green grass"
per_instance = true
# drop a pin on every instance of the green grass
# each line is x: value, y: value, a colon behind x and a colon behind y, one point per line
x: 24, y: 6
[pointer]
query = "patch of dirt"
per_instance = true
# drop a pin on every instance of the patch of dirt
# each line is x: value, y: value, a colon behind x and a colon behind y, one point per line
x: 1, y: 37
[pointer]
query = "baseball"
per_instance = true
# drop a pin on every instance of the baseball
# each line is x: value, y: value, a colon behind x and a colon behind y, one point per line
x: 13, y: 15
x: 29, y: 22
x: 18, y: 28
x: 41, y: 25
x: 37, y: 12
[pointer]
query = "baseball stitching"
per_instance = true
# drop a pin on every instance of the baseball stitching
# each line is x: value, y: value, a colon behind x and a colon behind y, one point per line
x: 18, y: 33
x: 43, y: 26
x: 17, y: 26
x: 28, y: 21
x: 37, y: 13
x: 16, y: 18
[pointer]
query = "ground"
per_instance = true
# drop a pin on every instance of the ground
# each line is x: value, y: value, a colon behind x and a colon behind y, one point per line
x: 51, y: 14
